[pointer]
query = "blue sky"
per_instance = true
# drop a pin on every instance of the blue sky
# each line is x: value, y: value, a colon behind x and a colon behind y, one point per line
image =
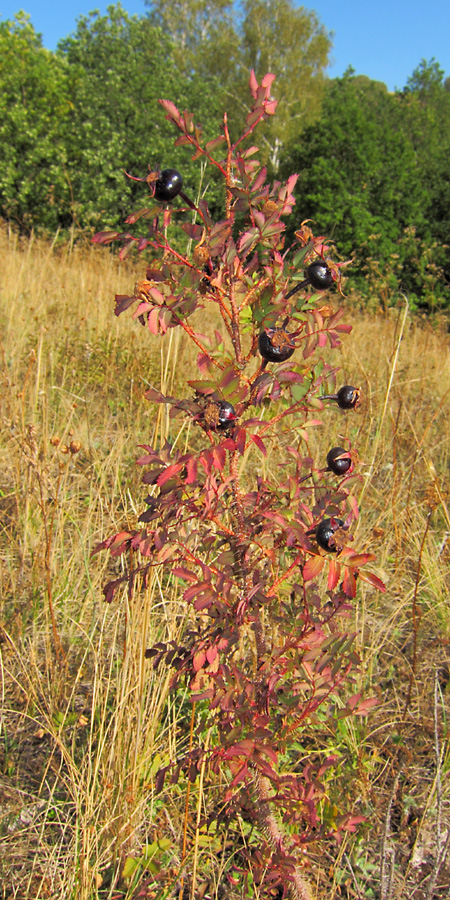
x: 385, y: 40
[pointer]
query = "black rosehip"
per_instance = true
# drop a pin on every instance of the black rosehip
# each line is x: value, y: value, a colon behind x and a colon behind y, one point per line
x: 325, y: 534
x: 227, y: 415
x: 337, y: 461
x: 347, y: 397
x: 219, y: 415
x: 168, y: 185
x: 275, y: 345
x: 319, y: 275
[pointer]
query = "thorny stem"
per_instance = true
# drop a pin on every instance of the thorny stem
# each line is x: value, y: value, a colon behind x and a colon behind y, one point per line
x: 241, y: 531
x: 298, y: 888
x: 229, y: 196
x: 235, y: 332
x: 187, y: 328
x: 250, y: 129
x: 257, y: 289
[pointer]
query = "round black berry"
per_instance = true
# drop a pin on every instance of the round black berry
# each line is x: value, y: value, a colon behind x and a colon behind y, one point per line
x: 219, y: 415
x: 319, y: 275
x: 227, y: 415
x: 275, y: 345
x: 168, y: 185
x: 325, y: 534
x: 348, y: 396
x: 337, y: 462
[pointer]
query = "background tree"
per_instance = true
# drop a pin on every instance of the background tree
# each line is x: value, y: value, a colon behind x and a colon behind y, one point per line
x: 223, y: 43
x: 280, y: 37
x: 34, y: 106
x: 118, y: 65
x: 203, y: 34
x: 426, y: 110
x: 361, y: 176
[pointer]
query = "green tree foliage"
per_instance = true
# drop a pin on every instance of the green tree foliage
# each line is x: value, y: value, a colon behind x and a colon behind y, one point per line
x: 220, y: 41
x: 34, y: 106
x: 362, y: 177
x: 278, y: 36
x: 426, y: 111
x: 374, y: 167
x: 203, y: 35
x: 118, y: 66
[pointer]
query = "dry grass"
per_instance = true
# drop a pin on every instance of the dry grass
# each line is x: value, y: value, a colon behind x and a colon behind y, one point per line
x: 84, y: 721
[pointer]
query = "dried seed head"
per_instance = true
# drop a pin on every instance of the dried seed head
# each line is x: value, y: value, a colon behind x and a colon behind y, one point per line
x: 269, y: 207
x: 75, y: 447
x: 200, y: 255
x: 432, y: 497
x: 142, y: 289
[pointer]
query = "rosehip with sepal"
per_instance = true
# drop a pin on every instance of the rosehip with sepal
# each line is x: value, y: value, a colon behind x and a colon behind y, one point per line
x: 275, y: 345
x: 338, y: 461
x: 347, y: 397
x: 325, y: 534
x: 219, y: 415
x: 227, y: 415
x: 168, y: 185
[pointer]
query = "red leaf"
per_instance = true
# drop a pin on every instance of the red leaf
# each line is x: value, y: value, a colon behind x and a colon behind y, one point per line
x: 239, y: 439
x: 253, y: 84
x: 334, y: 574
x: 110, y: 589
x: 159, y: 780
x: 172, y: 112
x: 219, y: 457
x: 350, y: 824
x: 199, y: 660
x: 191, y: 467
x: 169, y: 473
x: 211, y: 654
x: 122, y: 303
x: 373, y: 580
x: 363, y: 708
x: 153, y: 321
x: 198, y: 588
x: 313, y: 567
x: 216, y: 142
x: 349, y: 583
x: 267, y: 80
x: 270, y: 108
x: 185, y: 574
x: 205, y: 695
x: 259, y: 443
x: 105, y: 237
x: 359, y: 559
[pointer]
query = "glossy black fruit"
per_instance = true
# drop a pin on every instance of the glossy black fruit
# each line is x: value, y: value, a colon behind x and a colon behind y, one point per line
x: 168, y: 185
x: 325, y: 533
x: 219, y: 415
x: 227, y: 415
x: 336, y: 463
x: 347, y: 396
x: 319, y: 275
x: 275, y: 345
